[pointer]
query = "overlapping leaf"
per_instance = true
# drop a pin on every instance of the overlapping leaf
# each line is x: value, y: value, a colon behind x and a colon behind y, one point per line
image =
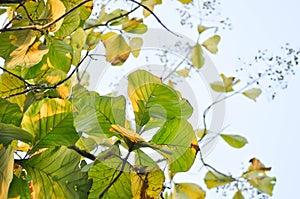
x: 189, y: 191
x: 50, y: 121
x: 56, y: 174
x: 10, y: 113
x: 6, y: 169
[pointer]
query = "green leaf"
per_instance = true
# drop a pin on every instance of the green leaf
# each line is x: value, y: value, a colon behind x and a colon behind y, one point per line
x: 10, y: 113
x: 235, y: 141
x: 19, y: 188
x: 92, y: 40
x: 134, y: 26
x: 6, y: 46
x: 211, y: 44
x: 226, y: 85
x: 70, y: 23
x: 98, y: 114
x: 214, y: 179
x: 9, y: 86
x: 10, y: 132
x: 189, y: 191
x: 117, y: 50
x: 146, y: 182
x: 103, y: 173
x: 263, y: 183
x: 238, y: 195
x: 252, y: 93
x: 78, y: 39
x: 51, y: 123
x: 60, y: 54
x: 177, y: 135
x: 6, y: 169
x: 56, y: 174
x: 197, y: 56
x: 152, y: 99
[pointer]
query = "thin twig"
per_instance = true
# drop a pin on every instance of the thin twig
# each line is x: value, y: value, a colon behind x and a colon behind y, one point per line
x: 82, y: 152
x: 20, y: 78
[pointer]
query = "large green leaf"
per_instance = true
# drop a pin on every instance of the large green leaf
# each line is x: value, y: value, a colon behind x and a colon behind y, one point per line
x: 51, y: 123
x: 104, y: 174
x: 146, y: 182
x: 6, y: 169
x: 97, y: 113
x: 6, y: 46
x: 19, y: 188
x: 10, y: 113
x: 60, y: 54
x: 150, y: 98
x: 56, y: 174
x: 10, y: 132
x: 177, y: 135
x: 70, y: 23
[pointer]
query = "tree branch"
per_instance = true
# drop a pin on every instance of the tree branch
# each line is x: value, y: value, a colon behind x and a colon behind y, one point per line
x: 82, y: 152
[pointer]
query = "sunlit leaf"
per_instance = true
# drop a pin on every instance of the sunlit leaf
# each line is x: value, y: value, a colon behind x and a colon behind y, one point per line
x: 60, y: 54
x: 78, y: 39
x: 134, y: 26
x: 214, y: 179
x: 238, y: 195
x: 183, y: 72
x: 226, y: 85
x: 146, y: 182
x: 252, y: 93
x: 150, y: 4
x: 189, y: 191
x: 135, y: 46
x: 53, y: 77
x: 151, y: 98
x: 202, y: 28
x: 117, y: 50
x: 177, y: 135
x: 103, y: 173
x: 6, y: 169
x: 211, y: 44
x: 54, y: 9
x: 51, y: 123
x: 235, y: 141
x: 56, y: 174
x: 70, y: 23
x: 197, y: 56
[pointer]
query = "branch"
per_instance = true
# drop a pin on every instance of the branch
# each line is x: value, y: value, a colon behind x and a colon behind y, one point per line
x: 20, y: 78
x: 82, y: 152
x: 155, y: 16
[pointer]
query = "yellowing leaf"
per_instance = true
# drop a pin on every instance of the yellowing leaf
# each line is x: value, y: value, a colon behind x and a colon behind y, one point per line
x: 214, y: 179
x: 226, y: 85
x: 252, y: 93
x: 211, y: 44
x: 185, y: 1
x: 257, y: 165
x: 238, y: 195
x: 92, y: 39
x: 262, y: 183
x: 183, y: 72
x: 54, y: 9
x: 131, y: 135
x: 117, y: 50
x: 201, y: 28
x: 146, y: 182
x: 134, y: 26
x: 235, y: 141
x: 197, y: 56
x: 27, y: 57
x: 189, y: 191
x: 78, y: 39
x: 135, y: 46
x: 200, y: 133
x: 150, y: 4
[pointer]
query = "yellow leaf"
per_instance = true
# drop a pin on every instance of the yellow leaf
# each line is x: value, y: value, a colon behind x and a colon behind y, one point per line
x: 129, y: 134
x: 252, y: 93
x: 257, y: 165
x: 185, y: 1
x: 226, y: 85
x: 197, y: 56
x: 189, y: 191
x: 117, y: 50
x: 201, y: 28
x: 238, y: 195
x: 27, y: 56
x: 211, y: 44
x: 134, y: 26
x: 214, y: 179
x: 183, y: 72
x: 150, y: 4
x: 135, y: 46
